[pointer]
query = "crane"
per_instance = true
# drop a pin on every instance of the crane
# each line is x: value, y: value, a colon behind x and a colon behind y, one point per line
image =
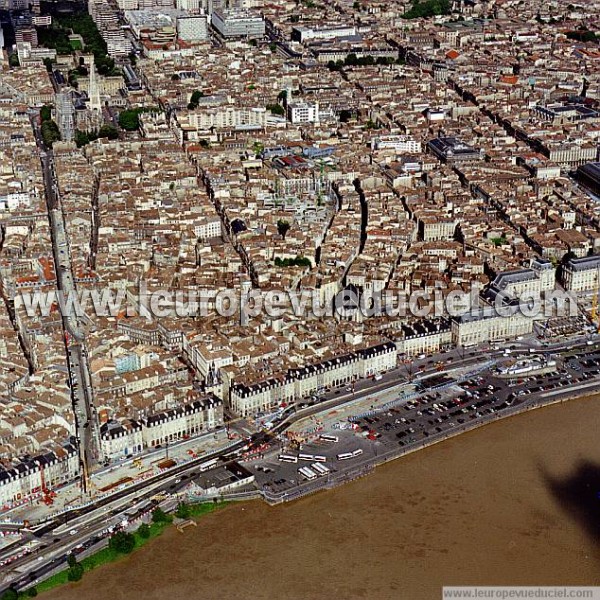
x: 594, y: 311
x: 47, y: 495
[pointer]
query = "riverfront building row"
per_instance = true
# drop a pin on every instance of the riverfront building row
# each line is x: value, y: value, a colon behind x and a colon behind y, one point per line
x: 132, y: 437
x: 34, y: 476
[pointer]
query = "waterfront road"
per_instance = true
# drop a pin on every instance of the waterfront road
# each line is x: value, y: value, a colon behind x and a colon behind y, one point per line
x: 579, y: 372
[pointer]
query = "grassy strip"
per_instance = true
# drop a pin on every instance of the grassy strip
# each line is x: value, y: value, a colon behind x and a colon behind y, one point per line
x: 108, y: 555
x: 54, y: 581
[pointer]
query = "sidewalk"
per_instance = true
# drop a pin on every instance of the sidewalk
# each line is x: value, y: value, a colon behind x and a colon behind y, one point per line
x: 118, y: 475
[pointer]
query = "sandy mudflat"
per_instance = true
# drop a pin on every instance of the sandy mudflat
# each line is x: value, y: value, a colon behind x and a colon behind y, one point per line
x: 516, y: 503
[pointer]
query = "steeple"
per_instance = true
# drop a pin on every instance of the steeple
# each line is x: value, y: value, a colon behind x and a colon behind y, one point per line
x: 93, y: 92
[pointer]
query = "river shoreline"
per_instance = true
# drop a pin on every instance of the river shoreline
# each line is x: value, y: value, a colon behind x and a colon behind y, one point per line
x: 492, y: 508
x: 308, y: 488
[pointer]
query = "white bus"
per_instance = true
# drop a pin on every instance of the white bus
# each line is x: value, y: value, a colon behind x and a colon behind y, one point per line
x: 357, y: 452
x: 319, y: 469
x: 319, y: 458
x: 209, y: 464
x: 288, y: 458
x: 345, y: 456
x: 308, y: 473
x: 329, y: 438
x: 306, y: 457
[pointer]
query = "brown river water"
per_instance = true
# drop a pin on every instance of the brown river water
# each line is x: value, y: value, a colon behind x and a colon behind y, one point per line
x: 513, y: 503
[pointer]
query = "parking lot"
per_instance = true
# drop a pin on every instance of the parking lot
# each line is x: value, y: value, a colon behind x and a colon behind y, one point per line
x: 277, y: 476
x: 433, y: 415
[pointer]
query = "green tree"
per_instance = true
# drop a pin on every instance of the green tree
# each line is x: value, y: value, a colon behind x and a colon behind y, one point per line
x: 108, y: 131
x: 498, y: 241
x: 50, y: 133
x: 45, y: 113
x: 75, y: 573
x: 273, y: 47
x: 351, y: 60
x: 73, y: 77
x: 32, y: 592
x: 122, y: 542
x: 427, y: 8
x: 10, y: 594
x: 175, y: 77
x: 196, y: 95
x: 195, y: 100
x: 299, y: 261
x: 366, y: 60
x: 283, y: 227
x: 144, y: 531
x: 48, y: 64
x: 159, y: 515
x: 257, y: 147
x: 583, y: 35
x: 129, y: 119
x: 183, y: 511
x: 81, y: 138
x: 71, y: 560
x: 276, y: 109
x: 13, y: 60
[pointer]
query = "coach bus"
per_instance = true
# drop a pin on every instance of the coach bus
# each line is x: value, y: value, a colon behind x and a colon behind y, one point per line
x: 208, y: 465
x: 345, y: 456
x: 308, y: 473
x: 329, y: 438
x: 319, y: 469
x: 288, y: 458
x: 306, y: 457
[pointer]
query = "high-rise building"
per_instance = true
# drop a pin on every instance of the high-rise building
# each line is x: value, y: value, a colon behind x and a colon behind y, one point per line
x: 106, y: 17
x: 238, y: 24
x: 25, y: 30
x: 303, y: 112
x: 65, y: 116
